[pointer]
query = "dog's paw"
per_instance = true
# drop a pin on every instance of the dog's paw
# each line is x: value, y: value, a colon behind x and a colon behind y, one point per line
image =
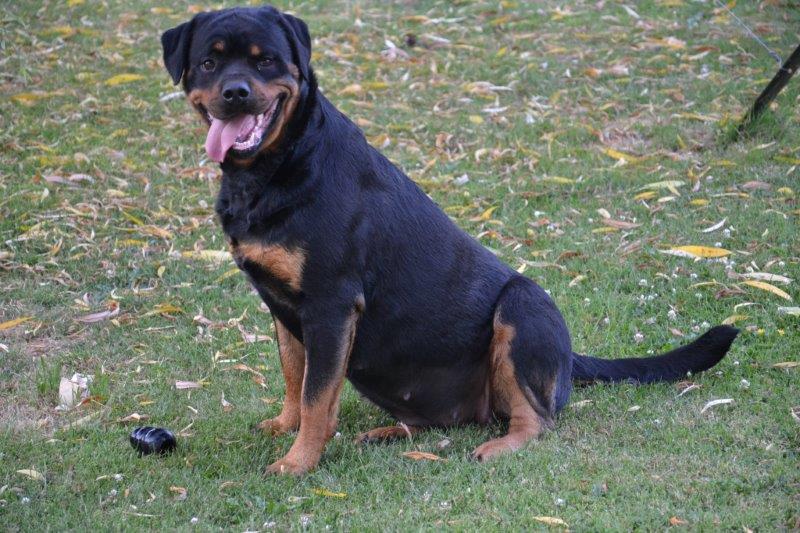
x: 274, y: 426
x: 286, y: 466
x: 492, y: 448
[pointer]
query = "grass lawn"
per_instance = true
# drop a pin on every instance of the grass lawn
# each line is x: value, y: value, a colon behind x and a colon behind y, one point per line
x: 578, y: 140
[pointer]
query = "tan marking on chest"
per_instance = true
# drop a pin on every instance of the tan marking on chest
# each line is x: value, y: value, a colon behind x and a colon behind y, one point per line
x: 283, y: 263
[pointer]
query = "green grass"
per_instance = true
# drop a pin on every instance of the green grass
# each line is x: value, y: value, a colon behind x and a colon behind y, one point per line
x: 67, y: 250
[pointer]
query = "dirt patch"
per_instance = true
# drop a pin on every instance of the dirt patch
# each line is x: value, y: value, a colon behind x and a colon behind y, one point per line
x: 16, y: 416
x: 624, y: 136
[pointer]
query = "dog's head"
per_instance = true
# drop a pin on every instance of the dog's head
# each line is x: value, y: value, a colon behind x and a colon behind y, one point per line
x: 244, y: 70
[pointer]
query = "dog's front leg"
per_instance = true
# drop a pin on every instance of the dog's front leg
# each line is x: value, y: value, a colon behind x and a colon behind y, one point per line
x: 328, y: 334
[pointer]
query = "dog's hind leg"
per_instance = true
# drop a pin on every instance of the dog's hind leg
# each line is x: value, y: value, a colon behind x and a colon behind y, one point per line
x: 530, y: 365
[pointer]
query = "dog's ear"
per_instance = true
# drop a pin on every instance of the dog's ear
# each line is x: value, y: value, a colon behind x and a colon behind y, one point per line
x: 175, y: 43
x: 297, y: 33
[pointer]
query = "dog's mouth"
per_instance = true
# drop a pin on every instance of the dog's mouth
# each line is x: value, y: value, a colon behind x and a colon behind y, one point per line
x: 241, y: 135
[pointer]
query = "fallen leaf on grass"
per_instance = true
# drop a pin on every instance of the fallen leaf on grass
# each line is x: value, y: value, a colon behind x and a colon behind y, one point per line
x: 622, y: 156
x: 675, y: 521
x: 715, y: 227
x: 164, y: 309
x: 670, y: 185
x: 787, y: 364
x: 791, y: 311
x: 83, y: 421
x: 558, y: 180
x: 329, y: 494
x: 14, y: 323
x: 111, y: 312
x: 214, y: 256
x: 119, y: 79
x: 550, y: 521
x: 756, y: 186
x: 733, y: 319
x: 253, y: 337
x: 180, y: 493
x: 765, y: 276
x: 226, y: 405
x: 693, y: 251
x: 33, y: 474
x: 764, y: 286
x: 666, y: 42
x: 133, y: 417
x: 182, y: 385
x: 258, y: 377
x: 28, y: 99
x: 577, y: 279
x: 228, y: 484
x: 795, y: 412
x: 422, y: 456
x: 714, y: 403
x: 619, y: 224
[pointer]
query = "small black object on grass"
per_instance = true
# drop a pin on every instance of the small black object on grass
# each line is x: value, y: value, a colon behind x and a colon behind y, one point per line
x: 147, y: 440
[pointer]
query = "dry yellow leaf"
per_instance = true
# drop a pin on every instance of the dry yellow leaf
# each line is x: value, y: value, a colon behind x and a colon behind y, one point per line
x: 376, y: 85
x: 119, y: 79
x: 155, y: 231
x: 29, y: 99
x: 646, y: 195
x: 487, y: 214
x: 476, y: 119
x: 764, y: 286
x: 422, y: 456
x: 787, y: 364
x: 208, y: 255
x: 33, y: 474
x: 733, y: 319
x: 329, y: 494
x: 697, y: 251
x: 14, y: 323
x: 352, y: 89
x: 558, y: 179
x: 619, y: 156
x: 699, y: 202
x: 550, y: 521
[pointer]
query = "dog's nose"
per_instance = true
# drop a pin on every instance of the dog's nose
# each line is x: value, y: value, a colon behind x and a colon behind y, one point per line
x: 236, y: 91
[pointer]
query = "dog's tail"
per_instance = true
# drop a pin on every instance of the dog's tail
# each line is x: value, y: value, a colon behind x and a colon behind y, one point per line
x: 705, y: 352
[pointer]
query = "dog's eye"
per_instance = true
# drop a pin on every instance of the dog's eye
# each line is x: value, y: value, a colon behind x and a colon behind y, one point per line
x: 208, y: 65
x: 265, y: 63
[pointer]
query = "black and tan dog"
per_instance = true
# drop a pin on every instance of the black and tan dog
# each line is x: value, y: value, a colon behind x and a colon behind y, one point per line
x: 366, y: 278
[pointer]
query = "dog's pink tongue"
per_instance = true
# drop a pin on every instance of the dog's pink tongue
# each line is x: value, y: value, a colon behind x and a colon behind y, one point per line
x: 223, y: 133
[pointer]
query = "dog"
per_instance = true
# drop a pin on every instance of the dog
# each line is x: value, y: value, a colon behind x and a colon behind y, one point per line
x: 365, y: 276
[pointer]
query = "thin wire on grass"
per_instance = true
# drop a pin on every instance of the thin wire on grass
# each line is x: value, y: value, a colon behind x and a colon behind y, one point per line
x: 766, y: 47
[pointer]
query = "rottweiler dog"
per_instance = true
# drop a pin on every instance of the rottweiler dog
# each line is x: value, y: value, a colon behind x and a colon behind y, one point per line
x: 366, y: 277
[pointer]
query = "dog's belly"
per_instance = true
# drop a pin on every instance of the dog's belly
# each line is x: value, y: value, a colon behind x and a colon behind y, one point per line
x: 425, y: 396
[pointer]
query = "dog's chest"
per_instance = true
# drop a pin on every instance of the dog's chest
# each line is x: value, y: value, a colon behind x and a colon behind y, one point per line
x: 276, y: 270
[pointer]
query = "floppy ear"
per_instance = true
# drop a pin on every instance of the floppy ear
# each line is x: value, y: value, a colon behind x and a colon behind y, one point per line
x: 299, y: 39
x: 175, y: 43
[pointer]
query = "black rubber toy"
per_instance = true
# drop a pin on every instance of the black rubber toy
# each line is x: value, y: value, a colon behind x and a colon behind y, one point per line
x: 147, y: 440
